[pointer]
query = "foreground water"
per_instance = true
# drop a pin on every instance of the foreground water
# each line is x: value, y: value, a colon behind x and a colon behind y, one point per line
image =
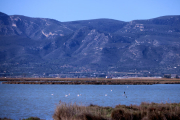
x: 23, y: 101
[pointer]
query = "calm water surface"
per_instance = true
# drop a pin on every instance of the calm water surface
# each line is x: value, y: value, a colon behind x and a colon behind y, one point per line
x: 23, y: 101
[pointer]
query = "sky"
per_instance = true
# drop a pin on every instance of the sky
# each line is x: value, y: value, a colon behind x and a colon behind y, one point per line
x: 72, y: 10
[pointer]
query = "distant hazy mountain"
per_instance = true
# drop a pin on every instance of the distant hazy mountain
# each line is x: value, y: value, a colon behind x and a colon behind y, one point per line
x: 40, y: 45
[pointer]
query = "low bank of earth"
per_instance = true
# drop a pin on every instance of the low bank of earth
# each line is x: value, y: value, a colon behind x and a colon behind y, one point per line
x: 93, y: 81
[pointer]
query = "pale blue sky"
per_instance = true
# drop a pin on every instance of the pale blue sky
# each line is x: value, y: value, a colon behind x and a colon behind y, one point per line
x: 71, y: 10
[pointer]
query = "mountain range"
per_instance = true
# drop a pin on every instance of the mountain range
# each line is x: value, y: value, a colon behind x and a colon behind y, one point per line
x: 47, y: 46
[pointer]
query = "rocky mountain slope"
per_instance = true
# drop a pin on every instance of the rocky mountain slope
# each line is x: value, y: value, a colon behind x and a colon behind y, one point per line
x: 40, y: 45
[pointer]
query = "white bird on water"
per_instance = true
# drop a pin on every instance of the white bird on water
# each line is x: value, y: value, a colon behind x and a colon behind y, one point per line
x: 67, y: 95
x: 105, y: 94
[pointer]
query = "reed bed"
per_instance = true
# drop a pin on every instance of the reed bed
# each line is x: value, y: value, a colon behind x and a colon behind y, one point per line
x: 145, y: 111
x: 79, y: 112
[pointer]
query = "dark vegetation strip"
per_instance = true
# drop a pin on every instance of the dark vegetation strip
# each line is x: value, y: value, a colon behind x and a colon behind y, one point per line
x: 31, y: 118
x: 87, y: 81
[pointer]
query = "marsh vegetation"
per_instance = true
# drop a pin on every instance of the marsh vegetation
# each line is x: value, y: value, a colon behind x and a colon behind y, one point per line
x: 145, y: 111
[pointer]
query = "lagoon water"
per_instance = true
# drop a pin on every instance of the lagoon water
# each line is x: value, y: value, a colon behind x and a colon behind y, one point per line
x: 23, y: 101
